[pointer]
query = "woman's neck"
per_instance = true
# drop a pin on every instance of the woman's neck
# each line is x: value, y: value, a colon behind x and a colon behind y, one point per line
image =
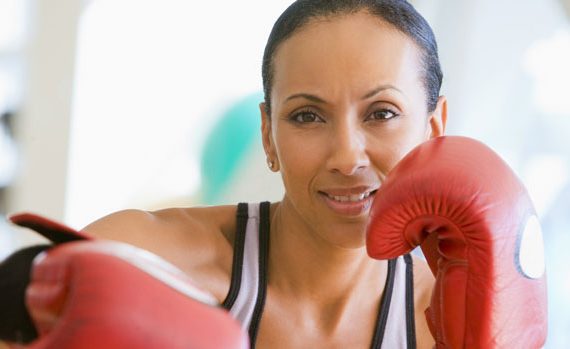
x: 302, y: 264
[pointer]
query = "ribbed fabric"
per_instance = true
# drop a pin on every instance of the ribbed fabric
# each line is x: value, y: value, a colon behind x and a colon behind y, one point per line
x: 396, y: 333
x: 244, y: 304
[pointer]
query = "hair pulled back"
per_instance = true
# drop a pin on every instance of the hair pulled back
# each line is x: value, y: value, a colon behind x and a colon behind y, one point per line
x: 399, y: 13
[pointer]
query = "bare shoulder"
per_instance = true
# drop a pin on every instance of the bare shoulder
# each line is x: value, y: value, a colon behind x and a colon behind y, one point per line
x: 138, y: 225
x: 423, y: 286
x: 196, y: 240
x: 423, y: 277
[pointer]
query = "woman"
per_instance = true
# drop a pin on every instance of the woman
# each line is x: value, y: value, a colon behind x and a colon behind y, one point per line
x: 350, y: 87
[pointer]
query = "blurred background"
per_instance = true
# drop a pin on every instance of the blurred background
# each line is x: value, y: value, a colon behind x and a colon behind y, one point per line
x: 112, y: 104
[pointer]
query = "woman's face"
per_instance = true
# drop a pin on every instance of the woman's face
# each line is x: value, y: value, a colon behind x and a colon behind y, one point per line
x: 347, y: 104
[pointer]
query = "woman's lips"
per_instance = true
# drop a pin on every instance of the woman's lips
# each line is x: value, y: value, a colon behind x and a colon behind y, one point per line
x: 353, y: 204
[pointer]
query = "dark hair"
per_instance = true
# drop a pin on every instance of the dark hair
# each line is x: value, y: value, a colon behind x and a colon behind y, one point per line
x: 398, y: 13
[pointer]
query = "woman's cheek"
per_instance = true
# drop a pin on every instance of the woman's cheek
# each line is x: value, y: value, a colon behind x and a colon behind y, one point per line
x: 384, y: 157
x: 300, y: 153
x: 388, y: 148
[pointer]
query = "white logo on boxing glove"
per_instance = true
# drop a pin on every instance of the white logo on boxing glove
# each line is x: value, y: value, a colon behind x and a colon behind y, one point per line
x: 530, y: 256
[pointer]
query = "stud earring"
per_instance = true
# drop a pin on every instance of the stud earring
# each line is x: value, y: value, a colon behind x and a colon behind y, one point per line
x: 270, y: 164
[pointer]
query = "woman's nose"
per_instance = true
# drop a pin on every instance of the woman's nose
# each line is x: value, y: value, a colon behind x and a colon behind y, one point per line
x: 348, y: 152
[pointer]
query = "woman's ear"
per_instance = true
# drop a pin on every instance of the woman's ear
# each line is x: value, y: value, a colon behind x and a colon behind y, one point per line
x: 438, y: 118
x: 267, y: 139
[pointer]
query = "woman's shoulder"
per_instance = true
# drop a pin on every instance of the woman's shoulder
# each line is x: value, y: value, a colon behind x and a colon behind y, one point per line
x: 134, y: 225
x: 198, y: 240
x: 423, y: 277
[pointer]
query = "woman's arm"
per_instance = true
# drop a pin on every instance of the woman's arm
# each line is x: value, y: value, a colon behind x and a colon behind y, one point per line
x: 127, y: 269
x: 189, y: 238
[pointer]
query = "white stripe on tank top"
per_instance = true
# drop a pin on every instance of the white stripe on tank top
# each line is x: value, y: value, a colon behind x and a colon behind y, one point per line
x: 244, y: 304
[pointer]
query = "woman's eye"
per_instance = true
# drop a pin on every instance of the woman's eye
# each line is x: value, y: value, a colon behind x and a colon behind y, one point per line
x: 383, y: 114
x: 305, y: 117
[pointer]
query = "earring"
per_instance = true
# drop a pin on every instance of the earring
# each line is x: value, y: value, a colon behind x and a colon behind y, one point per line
x: 270, y: 164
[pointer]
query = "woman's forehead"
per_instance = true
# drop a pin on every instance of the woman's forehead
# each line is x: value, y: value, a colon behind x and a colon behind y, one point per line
x: 355, y: 52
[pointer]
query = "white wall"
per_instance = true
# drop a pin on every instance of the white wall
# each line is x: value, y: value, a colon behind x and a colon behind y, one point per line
x: 42, y: 125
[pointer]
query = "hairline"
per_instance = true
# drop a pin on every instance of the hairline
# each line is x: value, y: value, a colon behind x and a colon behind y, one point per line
x: 421, y: 56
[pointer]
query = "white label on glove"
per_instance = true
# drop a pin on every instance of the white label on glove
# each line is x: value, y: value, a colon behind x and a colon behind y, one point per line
x: 531, y: 249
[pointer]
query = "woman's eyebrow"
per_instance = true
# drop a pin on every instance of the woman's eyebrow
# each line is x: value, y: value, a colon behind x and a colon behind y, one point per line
x: 317, y: 99
x: 308, y: 96
x: 379, y: 89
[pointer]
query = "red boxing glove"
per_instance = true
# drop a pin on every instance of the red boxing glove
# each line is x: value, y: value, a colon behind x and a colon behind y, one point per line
x: 53, y: 231
x: 15, y: 322
x: 479, y: 232
x: 104, y: 294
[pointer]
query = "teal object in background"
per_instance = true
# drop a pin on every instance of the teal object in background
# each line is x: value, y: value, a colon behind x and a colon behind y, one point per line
x: 228, y: 144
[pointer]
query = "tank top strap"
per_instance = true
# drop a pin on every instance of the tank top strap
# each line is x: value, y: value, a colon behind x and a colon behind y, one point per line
x: 241, y: 298
x: 246, y: 297
x: 395, y: 327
